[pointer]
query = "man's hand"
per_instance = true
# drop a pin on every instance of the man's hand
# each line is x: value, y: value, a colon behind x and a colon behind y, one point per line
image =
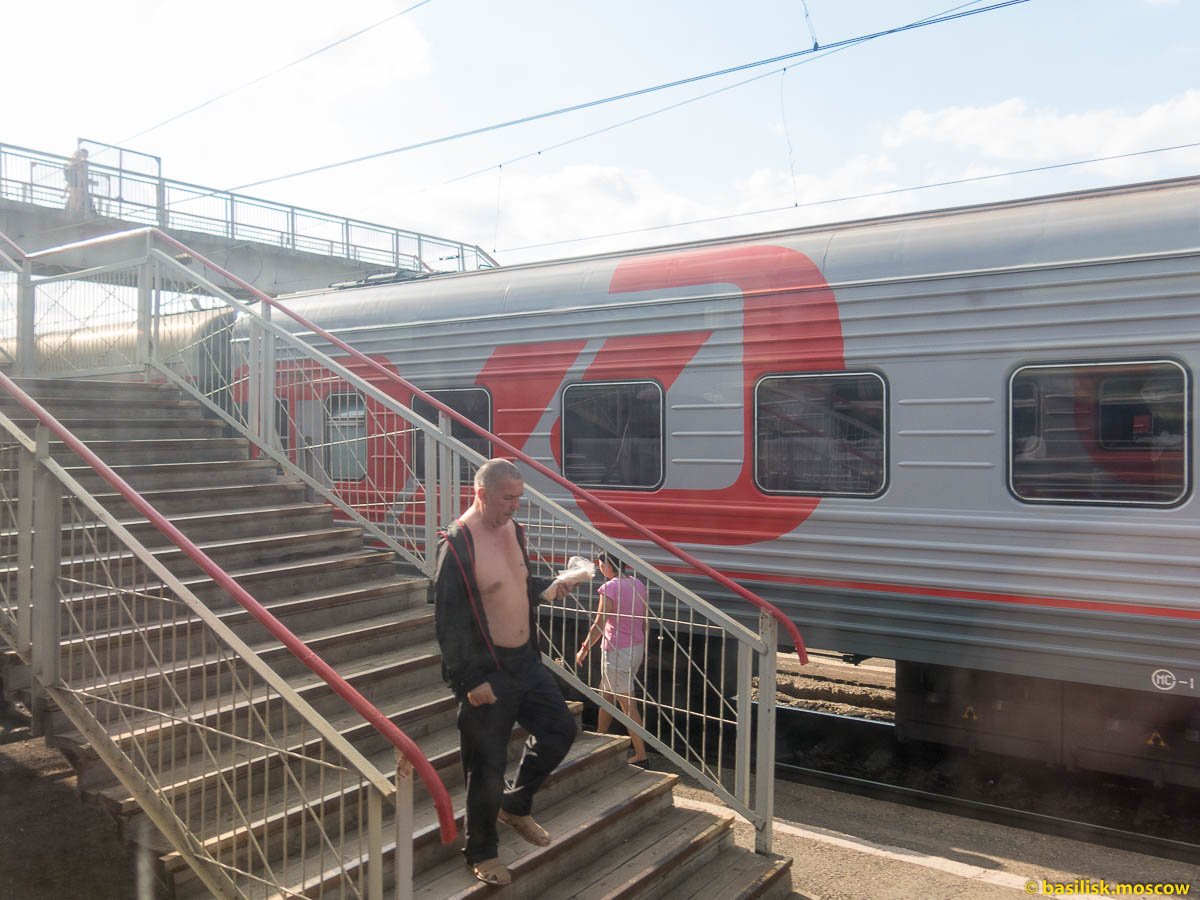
x: 481, y: 695
x: 556, y: 591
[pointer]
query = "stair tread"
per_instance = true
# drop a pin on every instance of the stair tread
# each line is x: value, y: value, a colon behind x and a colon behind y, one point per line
x: 311, y: 565
x: 410, y: 706
x: 641, y: 856
x: 179, y: 520
x: 401, y: 619
x: 588, y: 751
x: 601, y: 805
x: 211, y: 545
x: 237, y: 613
x: 303, y: 683
x: 736, y: 874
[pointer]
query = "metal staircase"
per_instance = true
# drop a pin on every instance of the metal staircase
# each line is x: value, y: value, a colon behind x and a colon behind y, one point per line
x: 166, y: 664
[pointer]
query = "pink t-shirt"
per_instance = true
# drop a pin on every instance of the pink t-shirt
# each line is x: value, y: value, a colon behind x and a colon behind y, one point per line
x: 625, y: 623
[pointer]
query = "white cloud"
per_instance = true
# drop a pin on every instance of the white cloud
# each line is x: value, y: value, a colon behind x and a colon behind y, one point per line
x: 1016, y: 134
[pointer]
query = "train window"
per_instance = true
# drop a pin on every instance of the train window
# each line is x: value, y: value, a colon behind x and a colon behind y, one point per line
x: 612, y: 434
x: 474, y: 403
x: 346, y: 437
x: 1101, y: 433
x: 821, y: 434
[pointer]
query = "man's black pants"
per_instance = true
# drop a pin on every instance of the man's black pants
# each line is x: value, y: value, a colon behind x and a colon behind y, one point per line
x: 527, y: 695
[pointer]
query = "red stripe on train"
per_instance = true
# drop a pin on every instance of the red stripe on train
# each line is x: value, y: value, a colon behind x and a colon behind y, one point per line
x: 1164, y: 612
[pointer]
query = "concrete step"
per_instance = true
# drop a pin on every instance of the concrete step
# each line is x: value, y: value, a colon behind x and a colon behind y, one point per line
x: 211, y: 525
x: 736, y: 874
x: 208, y: 498
x: 649, y: 859
x: 403, y: 669
x: 583, y: 827
x: 292, y: 578
x: 80, y: 388
x: 124, y: 645
x: 168, y: 450
x: 64, y: 405
x: 120, y: 566
x: 242, y: 553
x: 169, y: 475
x: 90, y: 430
x: 592, y: 760
x: 418, y: 711
x: 210, y: 670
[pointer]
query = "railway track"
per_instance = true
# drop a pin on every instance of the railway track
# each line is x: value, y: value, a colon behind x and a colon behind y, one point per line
x: 845, y: 750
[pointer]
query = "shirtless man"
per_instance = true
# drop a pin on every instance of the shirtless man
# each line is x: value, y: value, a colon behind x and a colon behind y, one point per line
x: 486, y: 608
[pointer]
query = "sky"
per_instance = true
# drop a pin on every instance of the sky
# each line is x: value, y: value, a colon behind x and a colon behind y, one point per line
x: 1037, y: 84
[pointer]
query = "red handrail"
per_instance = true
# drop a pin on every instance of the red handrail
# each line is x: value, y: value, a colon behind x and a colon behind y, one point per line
x: 437, y: 790
x: 698, y: 565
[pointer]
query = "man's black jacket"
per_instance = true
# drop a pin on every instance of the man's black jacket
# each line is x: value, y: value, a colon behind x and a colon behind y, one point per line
x: 468, y: 658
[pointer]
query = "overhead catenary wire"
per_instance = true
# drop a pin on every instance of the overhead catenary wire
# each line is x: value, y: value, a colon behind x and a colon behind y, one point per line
x: 295, y: 62
x: 847, y: 198
x: 825, y: 51
x: 627, y: 95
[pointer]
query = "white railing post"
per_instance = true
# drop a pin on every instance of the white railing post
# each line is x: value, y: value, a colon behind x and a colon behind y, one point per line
x: 26, y: 465
x: 26, y: 321
x: 160, y: 201
x: 745, y: 720
x: 764, y: 767
x: 403, y: 888
x: 266, y: 384
x: 447, y: 467
x: 374, y: 844
x: 47, y: 558
x: 145, y: 315
x: 255, y: 377
x: 432, y: 523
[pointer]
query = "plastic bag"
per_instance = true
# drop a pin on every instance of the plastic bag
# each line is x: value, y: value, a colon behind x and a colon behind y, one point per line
x: 578, y: 570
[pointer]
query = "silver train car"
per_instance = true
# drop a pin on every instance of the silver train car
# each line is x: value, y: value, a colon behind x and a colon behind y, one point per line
x: 962, y: 440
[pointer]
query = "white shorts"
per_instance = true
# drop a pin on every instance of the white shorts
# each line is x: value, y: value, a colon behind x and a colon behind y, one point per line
x: 617, y: 668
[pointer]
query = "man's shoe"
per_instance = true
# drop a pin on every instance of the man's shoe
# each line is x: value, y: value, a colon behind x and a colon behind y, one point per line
x: 492, y: 871
x: 526, y: 828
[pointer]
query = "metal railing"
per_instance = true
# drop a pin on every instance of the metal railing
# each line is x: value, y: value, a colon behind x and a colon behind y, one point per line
x: 219, y: 742
x: 31, y: 176
x: 345, y: 428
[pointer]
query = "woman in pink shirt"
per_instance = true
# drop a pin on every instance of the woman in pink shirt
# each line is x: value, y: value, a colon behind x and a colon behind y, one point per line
x: 623, y: 621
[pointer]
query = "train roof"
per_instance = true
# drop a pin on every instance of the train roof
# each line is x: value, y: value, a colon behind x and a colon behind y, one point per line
x: 1057, y: 229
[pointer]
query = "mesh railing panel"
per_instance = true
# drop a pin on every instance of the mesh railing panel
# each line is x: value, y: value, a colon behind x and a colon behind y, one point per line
x: 87, y: 325
x: 354, y: 448
x: 261, y: 793
x: 8, y: 312
x: 10, y: 452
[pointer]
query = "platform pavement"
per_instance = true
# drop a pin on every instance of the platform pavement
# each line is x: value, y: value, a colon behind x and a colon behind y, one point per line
x: 851, y: 848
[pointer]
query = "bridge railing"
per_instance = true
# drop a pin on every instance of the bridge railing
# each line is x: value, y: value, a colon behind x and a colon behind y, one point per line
x: 31, y: 176
x: 347, y: 426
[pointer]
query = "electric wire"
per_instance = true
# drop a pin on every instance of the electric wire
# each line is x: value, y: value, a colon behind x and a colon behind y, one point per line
x: 845, y: 199
x: 273, y: 72
x: 662, y: 109
x: 627, y: 95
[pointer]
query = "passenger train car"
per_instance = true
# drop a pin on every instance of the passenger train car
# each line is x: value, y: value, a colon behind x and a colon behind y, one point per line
x: 962, y: 440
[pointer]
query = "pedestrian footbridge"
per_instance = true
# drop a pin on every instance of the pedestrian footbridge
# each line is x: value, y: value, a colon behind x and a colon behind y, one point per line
x: 275, y: 247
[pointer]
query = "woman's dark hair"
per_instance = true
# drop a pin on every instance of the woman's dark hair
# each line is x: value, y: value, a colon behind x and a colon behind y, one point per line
x: 617, y: 565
